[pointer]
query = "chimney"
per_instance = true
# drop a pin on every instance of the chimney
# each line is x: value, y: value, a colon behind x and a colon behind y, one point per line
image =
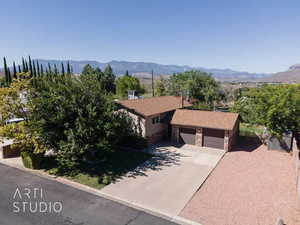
x: 182, y: 101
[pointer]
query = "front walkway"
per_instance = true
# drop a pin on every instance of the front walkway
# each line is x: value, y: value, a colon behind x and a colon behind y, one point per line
x: 250, y: 186
x: 167, y: 182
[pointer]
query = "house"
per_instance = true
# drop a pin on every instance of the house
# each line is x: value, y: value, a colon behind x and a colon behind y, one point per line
x: 167, y: 117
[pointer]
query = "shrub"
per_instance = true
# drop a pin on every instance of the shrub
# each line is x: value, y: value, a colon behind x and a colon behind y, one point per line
x: 31, y: 160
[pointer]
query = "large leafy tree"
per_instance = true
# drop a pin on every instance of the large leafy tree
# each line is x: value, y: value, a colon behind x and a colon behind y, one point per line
x: 277, y: 107
x: 196, y: 84
x: 161, y: 87
x: 75, y: 118
x: 126, y: 83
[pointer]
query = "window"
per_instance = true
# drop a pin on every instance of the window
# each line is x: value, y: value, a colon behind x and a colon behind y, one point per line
x: 155, y: 120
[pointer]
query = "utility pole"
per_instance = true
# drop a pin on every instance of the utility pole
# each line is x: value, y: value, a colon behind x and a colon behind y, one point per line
x: 152, y: 84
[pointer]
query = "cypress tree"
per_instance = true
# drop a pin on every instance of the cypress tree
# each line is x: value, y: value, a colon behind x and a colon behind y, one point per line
x: 23, y: 65
x: 126, y: 73
x: 42, y: 70
x: 19, y: 68
x: 9, y: 76
x: 68, y: 68
x: 55, y: 70
x: 34, y: 69
x: 5, y: 71
x: 38, y: 68
x: 26, y: 66
x: 15, y: 71
x: 30, y: 66
x: 62, y: 69
x: 49, y: 68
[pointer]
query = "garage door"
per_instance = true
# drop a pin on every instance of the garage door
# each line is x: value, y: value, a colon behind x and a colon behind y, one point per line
x: 213, y: 138
x: 187, y: 136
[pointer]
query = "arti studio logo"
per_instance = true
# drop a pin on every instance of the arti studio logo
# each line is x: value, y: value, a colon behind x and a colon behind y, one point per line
x: 32, y: 200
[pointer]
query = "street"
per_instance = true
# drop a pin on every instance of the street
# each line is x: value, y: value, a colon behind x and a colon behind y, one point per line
x: 28, y: 199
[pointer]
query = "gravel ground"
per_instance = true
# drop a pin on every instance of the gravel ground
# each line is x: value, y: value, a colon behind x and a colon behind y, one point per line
x: 250, y: 186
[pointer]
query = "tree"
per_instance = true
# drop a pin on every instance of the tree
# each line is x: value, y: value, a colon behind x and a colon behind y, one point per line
x: 109, y: 79
x: 55, y: 70
x: 127, y: 83
x: 68, y: 68
x: 19, y: 68
x: 87, y: 70
x: 42, y: 70
x: 195, y: 84
x: 77, y: 120
x: 49, y: 69
x: 276, y: 107
x: 62, y: 69
x: 6, y: 71
x: 14, y: 71
x: 23, y: 65
x: 30, y: 66
x: 160, y: 87
x: 38, y: 68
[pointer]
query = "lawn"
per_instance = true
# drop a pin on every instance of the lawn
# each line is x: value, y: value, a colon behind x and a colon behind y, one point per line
x: 112, y: 167
x: 250, y: 130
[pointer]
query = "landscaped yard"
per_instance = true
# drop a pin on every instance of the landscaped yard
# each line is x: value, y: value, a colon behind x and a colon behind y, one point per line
x: 112, y: 167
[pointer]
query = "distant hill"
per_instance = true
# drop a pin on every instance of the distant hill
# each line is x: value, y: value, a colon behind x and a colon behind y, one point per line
x: 145, y: 68
x: 292, y: 75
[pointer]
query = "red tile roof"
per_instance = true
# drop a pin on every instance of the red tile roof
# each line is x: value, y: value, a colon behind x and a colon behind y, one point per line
x: 207, y: 119
x: 154, y: 105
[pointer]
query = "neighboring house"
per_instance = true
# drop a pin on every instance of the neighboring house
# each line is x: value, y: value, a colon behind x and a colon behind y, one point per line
x: 164, y: 117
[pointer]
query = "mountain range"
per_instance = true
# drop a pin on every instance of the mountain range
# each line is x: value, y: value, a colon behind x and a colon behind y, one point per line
x: 292, y: 75
x: 145, y: 68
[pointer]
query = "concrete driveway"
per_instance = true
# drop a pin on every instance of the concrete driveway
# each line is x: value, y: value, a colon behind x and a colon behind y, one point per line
x: 168, y: 181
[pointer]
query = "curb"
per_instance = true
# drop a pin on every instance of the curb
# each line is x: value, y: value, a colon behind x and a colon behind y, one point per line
x: 82, y: 187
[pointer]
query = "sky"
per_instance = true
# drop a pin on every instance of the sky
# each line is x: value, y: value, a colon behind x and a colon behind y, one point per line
x: 244, y: 35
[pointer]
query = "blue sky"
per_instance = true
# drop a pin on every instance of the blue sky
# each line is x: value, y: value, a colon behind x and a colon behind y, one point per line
x: 245, y: 35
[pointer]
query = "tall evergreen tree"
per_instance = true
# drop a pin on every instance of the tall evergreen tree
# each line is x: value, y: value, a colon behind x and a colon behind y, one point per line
x: 68, y: 68
x: 30, y: 66
x: 42, y: 70
x: 26, y: 66
x: 9, y: 76
x: 33, y: 68
x: 23, y: 65
x: 49, y: 68
x: 38, y: 68
x: 55, y: 70
x: 62, y: 69
x: 109, y: 79
x: 19, y: 68
x: 15, y: 71
x: 5, y: 71
x: 126, y: 73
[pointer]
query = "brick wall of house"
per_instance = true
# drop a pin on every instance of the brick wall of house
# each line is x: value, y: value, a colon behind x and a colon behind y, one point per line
x: 158, y: 131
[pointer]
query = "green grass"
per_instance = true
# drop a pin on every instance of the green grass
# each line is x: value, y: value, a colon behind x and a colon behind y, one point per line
x: 111, y: 167
x: 250, y: 130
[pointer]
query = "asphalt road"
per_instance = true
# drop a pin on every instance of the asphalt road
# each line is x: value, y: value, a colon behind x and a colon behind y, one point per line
x: 27, y: 199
